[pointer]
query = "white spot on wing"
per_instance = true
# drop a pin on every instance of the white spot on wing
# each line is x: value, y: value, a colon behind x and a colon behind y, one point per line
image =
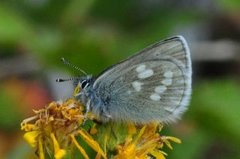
x: 137, y: 85
x: 160, y: 89
x: 169, y: 109
x: 167, y: 81
x: 155, y: 97
x: 141, y: 68
x: 145, y: 74
x: 168, y: 74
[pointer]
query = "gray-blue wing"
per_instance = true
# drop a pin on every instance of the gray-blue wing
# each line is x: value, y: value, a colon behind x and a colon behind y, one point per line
x: 153, y: 85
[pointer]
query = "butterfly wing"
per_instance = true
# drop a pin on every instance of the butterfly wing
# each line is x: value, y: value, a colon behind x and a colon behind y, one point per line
x: 153, y: 85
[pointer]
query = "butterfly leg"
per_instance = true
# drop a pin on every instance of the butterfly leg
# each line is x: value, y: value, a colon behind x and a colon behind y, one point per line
x: 105, y: 114
x: 87, y: 111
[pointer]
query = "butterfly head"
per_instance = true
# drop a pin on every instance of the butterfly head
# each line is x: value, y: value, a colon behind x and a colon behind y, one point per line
x: 83, y: 82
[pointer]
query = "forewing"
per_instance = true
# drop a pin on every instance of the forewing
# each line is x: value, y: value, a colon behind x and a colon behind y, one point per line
x: 153, y: 85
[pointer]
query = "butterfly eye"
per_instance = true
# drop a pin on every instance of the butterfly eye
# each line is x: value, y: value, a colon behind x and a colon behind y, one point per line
x: 84, y: 83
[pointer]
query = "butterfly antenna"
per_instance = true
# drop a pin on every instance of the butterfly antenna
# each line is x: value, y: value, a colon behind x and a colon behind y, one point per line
x: 67, y: 79
x: 73, y: 66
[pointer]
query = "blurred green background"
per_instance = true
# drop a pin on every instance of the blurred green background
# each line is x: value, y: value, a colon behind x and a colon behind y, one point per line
x: 94, y: 34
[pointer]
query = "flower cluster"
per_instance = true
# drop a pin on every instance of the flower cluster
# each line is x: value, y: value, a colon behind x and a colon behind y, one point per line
x: 60, y: 129
x: 144, y: 143
x: 54, y: 129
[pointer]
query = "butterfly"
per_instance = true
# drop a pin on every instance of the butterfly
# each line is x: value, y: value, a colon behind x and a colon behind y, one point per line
x: 153, y: 85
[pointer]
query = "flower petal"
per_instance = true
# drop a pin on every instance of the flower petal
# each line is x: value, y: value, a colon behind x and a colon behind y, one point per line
x: 40, y: 149
x: 158, y: 154
x: 91, y: 142
x: 83, y: 152
x: 58, y: 153
x: 174, y: 139
x: 31, y: 137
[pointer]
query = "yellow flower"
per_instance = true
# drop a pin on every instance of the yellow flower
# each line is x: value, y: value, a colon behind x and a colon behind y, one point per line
x: 56, y: 129
x: 145, y: 143
x: 53, y: 129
